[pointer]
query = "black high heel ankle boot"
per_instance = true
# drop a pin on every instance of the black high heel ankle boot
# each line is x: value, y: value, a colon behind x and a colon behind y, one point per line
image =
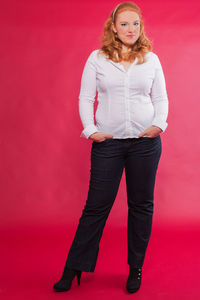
x: 134, y: 280
x: 64, y: 284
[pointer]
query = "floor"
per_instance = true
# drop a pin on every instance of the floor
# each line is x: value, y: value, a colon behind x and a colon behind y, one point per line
x: 32, y: 258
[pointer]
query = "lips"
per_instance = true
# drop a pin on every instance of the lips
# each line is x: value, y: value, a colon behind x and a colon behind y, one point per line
x: 131, y: 35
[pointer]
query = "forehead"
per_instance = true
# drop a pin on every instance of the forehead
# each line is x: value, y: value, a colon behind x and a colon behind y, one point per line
x: 128, y: 15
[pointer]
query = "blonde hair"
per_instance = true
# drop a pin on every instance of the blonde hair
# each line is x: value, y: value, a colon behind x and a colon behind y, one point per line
x: 112, y: 45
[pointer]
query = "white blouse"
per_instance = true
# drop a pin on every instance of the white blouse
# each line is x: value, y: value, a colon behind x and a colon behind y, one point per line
x: 128, y: 101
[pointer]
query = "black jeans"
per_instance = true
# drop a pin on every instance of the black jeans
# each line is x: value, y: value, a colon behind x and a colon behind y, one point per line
x: 139, y: 157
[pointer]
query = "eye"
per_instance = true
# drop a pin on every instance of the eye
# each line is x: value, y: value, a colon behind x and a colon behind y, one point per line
x: 137, y: 23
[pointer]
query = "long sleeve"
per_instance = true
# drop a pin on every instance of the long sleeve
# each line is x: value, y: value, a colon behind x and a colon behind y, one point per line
x: 87, y: 97
x: 159, y: 97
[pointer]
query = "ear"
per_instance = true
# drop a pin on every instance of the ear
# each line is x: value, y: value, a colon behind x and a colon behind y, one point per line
x: 113, y: 27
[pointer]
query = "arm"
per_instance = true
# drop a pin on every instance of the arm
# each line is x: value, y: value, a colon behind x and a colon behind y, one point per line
x: 87, y: 97
x: 159, y: 97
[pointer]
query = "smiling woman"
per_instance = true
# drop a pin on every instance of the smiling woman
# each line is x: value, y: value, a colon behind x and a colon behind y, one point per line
x: 124, y: 31
x: 131, y: 113
x: 128, y: 32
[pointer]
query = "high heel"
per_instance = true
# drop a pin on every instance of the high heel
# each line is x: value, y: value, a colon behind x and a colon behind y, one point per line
x: 78, y: 273
x: 134, y: 280
x: 64, y: 284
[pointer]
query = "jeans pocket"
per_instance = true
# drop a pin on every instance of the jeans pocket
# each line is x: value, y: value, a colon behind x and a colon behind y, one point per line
x: 148, y: 137
x: 104, y: 141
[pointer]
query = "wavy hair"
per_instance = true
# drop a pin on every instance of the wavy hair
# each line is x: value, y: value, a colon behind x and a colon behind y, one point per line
x: 112, y: 45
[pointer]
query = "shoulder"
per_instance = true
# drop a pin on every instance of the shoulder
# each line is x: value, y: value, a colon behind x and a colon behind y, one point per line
x: 97, y: 55
x: 93, y: 54
x: 154, y: 58
x: 151, y: 55
x: 96, y: 58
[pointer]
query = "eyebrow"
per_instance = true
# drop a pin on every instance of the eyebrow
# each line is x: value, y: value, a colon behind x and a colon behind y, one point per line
x: 126, y: 22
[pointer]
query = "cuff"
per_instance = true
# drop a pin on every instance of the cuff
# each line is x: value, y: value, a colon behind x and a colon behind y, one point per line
x: 161, y: 124
x: 87, y: 131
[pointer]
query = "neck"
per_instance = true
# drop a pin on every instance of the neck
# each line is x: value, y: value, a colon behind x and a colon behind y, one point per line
x: 125, y: 49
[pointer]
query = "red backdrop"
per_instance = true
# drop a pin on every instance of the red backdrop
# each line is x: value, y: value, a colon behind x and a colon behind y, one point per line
x: 44, y: 162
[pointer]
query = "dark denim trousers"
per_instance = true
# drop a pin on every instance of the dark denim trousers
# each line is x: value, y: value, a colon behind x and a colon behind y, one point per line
x: 139, y: 157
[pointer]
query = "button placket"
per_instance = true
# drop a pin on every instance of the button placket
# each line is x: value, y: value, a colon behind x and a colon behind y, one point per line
x: 127, y: 104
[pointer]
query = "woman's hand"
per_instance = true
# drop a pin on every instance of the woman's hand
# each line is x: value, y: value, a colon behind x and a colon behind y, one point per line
x: 151, y: 132
x: 100, y: 136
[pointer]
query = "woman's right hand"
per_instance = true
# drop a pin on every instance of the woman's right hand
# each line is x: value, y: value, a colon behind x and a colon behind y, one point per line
x: 100, y: 136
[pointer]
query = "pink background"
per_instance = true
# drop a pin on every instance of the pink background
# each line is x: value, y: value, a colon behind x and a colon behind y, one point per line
x: 44, y: 162
x: 45, y: 165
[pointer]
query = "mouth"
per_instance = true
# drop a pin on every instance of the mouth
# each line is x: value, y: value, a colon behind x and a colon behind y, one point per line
x: 130, y: 36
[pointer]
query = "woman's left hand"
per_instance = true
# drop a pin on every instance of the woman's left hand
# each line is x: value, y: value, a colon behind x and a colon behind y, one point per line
x: 151, y: 132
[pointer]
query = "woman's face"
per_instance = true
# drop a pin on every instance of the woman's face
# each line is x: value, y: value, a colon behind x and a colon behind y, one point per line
x: 127, y: 27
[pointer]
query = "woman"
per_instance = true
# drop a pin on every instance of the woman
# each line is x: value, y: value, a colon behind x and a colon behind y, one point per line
x: 131, y: 113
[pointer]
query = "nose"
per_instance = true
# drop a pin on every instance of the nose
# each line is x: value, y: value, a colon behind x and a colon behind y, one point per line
x: 131, y: 29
